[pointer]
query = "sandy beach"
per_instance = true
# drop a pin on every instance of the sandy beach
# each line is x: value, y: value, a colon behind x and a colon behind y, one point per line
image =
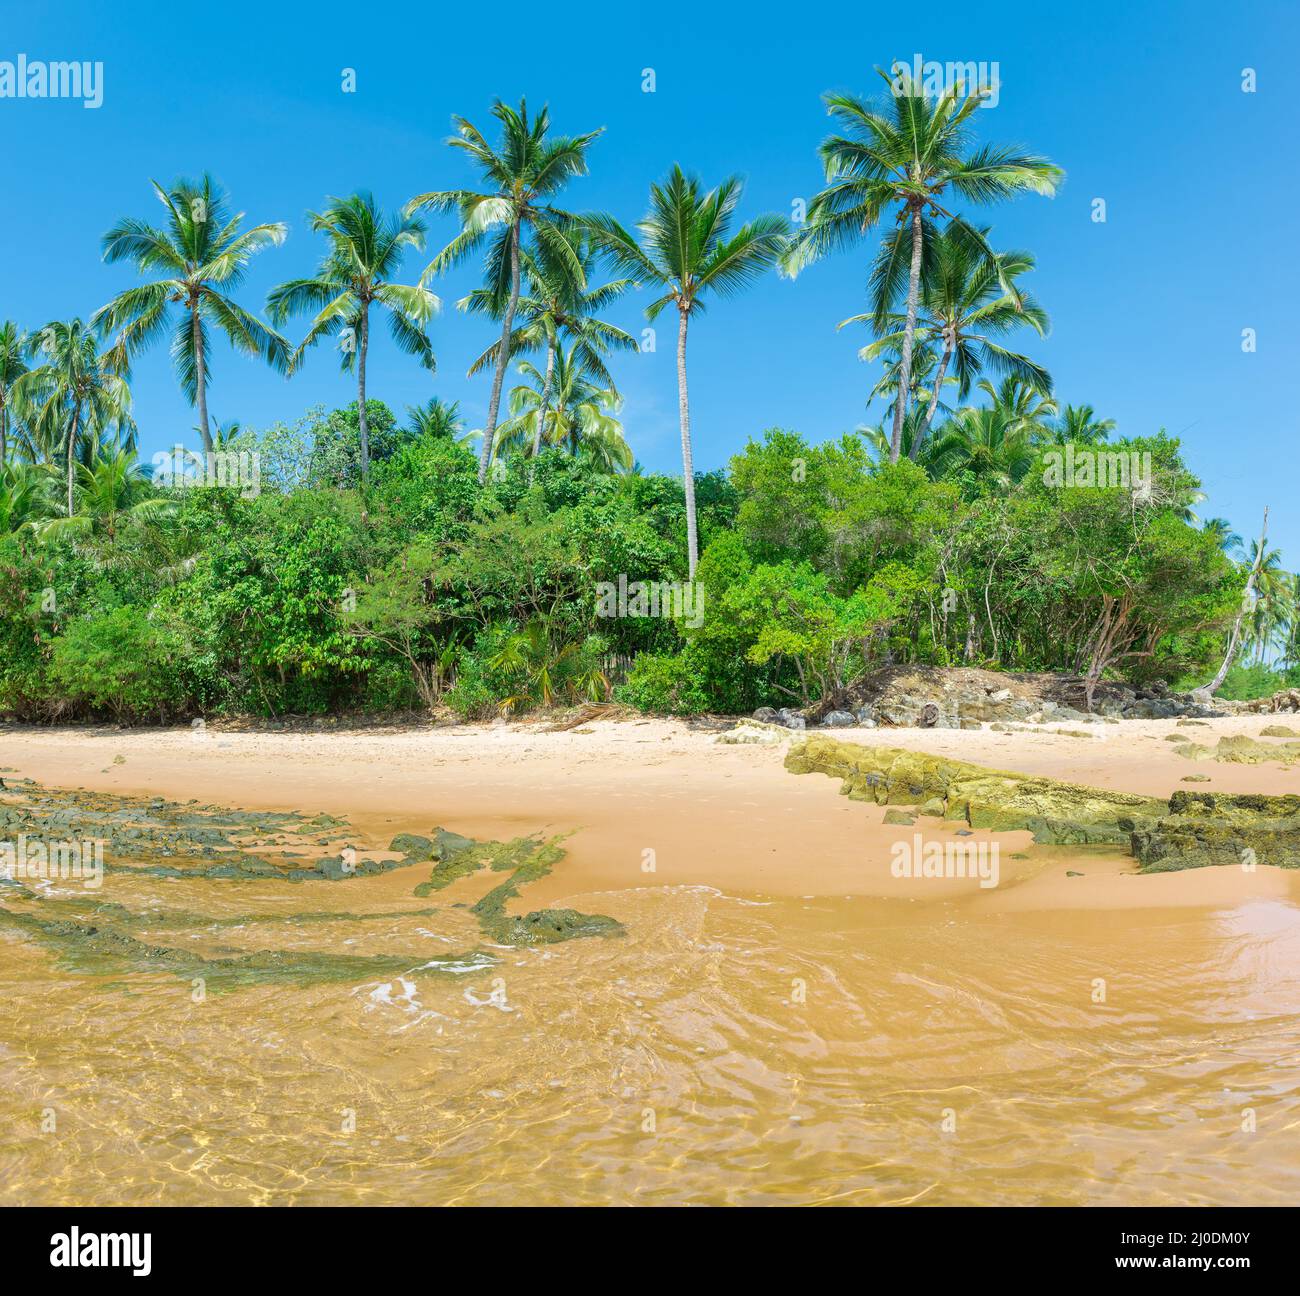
x: 714, y: 814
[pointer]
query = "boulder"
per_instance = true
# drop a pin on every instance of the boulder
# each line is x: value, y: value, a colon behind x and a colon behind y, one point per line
x: 838, y: 720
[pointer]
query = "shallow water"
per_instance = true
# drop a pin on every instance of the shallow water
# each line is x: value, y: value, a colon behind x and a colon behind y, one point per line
x: 724, y: 1048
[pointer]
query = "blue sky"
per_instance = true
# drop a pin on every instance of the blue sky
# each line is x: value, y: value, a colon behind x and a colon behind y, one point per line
x: 1142, y: 106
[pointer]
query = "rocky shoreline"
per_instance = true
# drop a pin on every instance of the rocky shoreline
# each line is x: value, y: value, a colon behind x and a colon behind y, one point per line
x: 1187, y: 830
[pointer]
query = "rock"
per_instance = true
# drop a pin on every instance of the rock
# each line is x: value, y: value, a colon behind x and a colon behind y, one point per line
x: 1195, y: 778
x: 1239, y: 749
x: 752, y: 731
x: 1062, y: 813
x: 1278, y: 731
x: 865, y: 718
x: 791, y: 719
x: 1185, y: 723
x: 411, y: 845
x: 929, y: 716
x: 766, y: 715
x: 1175, y: 738
x: 1000, y: 696
x: 1072, y: 873
x: 837, y: 720
x: 1209, y: 828
x: 1190, y: 830
x: 899, y: 818
x: 934, y: 807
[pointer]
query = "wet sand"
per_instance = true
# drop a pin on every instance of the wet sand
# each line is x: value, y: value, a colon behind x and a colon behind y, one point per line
x: 713, y: 814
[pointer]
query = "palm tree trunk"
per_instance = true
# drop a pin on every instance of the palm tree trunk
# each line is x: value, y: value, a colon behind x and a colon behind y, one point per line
x: 73, y: 428
x: 503, y: 357
x: 1210, y: 689
x: 934, y: 401
x: 4, y: 434
x: 909, y: 332
x: 362, y: 425
x: 688, y: 467
x: 200, y: 380
x: 541, y: 409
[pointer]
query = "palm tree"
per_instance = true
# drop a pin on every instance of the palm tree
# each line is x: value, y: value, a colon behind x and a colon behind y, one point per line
x: 435, y: 418
x: 1079, y: 425
x: 201, y: 255
x: 1024, y: 405
x: 365, y: 250
x: 115, y: 490
x: 25, y: 496
x: 1228, y: 540
x: 906, y: 155
x: 686, y: 251
x: 580, y: 418
x: 75, y: 392
x: 14, y: 346
x: 983, y: 445
x: 558, y: 305
x: 522, y: 173
x: 967, y: 302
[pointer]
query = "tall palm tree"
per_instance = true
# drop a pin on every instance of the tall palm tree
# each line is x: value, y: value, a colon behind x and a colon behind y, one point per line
x: 580, y: 416
x: 906, y: 154
x: 559, y: 305
x: 76, y: 391
x: 435, y: 418
x: 686, y: 251
x: 201, y: 255
x: 365, y: 249
x: 968, y: 300
x: 14, y: 346
x: 522, y: 174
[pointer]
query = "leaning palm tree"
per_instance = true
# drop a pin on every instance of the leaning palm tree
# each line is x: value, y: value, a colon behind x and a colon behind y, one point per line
x: 365, y: 248
x: 685, y: 251
x: 523, y: 173
x: 560, y: 305
x: 906, y: 155
x: 968, y: 302
x: 567, y: 408
x: 76, y: 391
x: 14, y: 346
x: 201, y: 256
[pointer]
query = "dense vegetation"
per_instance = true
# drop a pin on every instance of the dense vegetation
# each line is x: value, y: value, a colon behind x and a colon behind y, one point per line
x: 374, y: 565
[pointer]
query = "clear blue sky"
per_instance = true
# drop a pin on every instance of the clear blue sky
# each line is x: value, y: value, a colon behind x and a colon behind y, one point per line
x: 1141, y: 104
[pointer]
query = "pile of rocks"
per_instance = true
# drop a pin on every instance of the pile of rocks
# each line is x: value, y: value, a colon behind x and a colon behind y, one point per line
x: 966, y: 698
x: 1285, y: 700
